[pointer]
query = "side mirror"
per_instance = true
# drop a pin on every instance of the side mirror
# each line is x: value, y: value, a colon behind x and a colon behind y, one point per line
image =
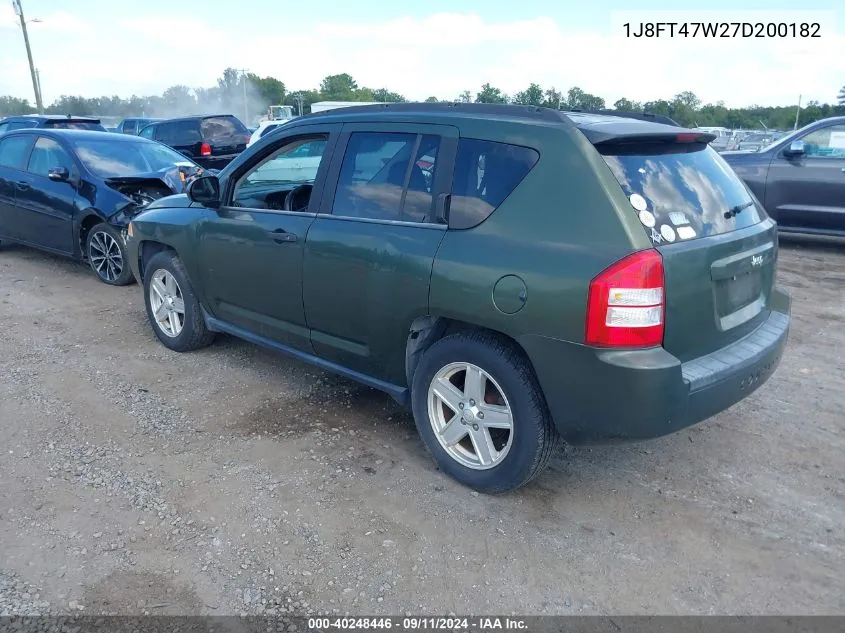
x: 796, y: 148
x: 59, y: 174
x: 206, y: 191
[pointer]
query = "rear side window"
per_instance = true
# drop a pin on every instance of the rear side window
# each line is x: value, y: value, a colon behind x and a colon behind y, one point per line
x: 682, y: 192
x: 219, y: 127
x: 179, y: 133
x: 380, y: 181
x: 14, y: 151
x: 129, y: 127
x: 485, y: 174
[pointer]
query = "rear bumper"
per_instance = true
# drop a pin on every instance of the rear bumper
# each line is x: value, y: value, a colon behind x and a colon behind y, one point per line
x: 596, y: 395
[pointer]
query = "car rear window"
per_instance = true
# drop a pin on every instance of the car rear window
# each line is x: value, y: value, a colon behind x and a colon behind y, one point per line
x: 485, y: 174
x: 75, y: 125
x: 682, y: 192
x: 221, y: 127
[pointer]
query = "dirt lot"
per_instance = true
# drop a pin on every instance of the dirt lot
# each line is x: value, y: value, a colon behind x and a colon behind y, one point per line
x: 134, y: 479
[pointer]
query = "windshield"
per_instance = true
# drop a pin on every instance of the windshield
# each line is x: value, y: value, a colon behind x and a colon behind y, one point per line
x: 692, y: 192
x: 115, y: 158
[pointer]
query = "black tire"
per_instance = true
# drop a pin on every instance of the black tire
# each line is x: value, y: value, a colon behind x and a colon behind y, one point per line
x: 534, y: 434
x: 110, y: 269
x: 194, y: 334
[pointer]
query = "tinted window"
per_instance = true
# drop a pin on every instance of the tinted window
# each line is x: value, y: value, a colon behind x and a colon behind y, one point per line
x: 690, y: 189
x: 20, y: 125
x: 113, y: 158
x: 14, y: 151
x: 266, y: 185
x: 179, y: 133
x: 48, y: 154
x: 129, y: 127
x: 378, y: 177
x: 828, y: 142
x: 485, y: 174
x: 221, y: 127
x: 148, y: 131
x: 74, y: 125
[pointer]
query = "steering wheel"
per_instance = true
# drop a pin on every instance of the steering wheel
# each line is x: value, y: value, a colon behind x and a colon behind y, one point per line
x: 297, y: 198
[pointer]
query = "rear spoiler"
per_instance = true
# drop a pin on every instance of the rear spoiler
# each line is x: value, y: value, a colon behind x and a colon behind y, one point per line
x: 641, y: 116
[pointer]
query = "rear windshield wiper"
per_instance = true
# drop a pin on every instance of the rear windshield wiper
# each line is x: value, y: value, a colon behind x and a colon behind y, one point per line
x: 735, y: 210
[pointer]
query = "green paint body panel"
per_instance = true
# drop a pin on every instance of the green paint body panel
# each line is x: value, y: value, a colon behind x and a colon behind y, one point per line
x: 346, y: 292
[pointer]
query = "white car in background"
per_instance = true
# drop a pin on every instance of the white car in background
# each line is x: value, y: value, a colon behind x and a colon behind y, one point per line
x: 265, y: 127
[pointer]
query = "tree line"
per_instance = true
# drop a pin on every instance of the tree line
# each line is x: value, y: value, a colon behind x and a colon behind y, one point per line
x: 248, y: 95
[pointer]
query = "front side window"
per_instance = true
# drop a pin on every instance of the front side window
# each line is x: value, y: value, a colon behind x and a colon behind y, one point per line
x: 14, y: 151
x: 383, y: 177
x: 48, y: 154
x: 828, y: 142
x: 148, y: 132
x: 296, y: 163
x: 129, y: 127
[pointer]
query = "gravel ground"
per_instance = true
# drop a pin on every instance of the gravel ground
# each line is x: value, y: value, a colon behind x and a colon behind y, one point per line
x: 134, y: 480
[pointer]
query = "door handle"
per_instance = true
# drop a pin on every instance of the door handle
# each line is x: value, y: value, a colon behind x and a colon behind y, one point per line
x: 22, y: 185
x: 280, y: 236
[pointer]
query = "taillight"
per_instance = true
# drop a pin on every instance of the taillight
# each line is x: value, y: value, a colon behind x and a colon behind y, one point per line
x: 205, y: 149
x: 625, y: 305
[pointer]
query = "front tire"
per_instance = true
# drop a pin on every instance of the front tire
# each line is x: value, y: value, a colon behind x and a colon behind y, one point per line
x: 481, y: 413
x: 172, y: 307
x: 107, y: 255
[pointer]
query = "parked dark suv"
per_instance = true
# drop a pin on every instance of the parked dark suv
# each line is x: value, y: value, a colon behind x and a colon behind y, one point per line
x: 210, y: 141
x: 52, y: 121
x: 554, y: 274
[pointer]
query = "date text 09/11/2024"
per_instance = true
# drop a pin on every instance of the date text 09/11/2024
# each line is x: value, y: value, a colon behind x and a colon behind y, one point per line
x: 456, y: 624
x: 723, y: 29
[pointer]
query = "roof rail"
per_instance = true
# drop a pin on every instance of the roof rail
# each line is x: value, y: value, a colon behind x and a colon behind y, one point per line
x: 642, y: 116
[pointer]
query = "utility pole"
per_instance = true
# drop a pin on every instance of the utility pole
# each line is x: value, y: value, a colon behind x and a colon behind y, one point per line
x: 38, y: 82
x: 19, y: 12
x: 246, y: 104
x: 797, y: 112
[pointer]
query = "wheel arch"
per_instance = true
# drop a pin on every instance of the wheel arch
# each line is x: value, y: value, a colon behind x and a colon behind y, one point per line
x: 88, y: 219
x: 426, y: 330
x: 147, y: 249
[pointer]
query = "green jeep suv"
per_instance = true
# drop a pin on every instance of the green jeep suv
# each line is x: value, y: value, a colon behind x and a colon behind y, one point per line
x: 513, y: 274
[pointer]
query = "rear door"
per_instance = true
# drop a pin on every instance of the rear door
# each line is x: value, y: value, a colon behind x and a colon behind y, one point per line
x: 46, y: 207
x: 370, y: 252
x: 183, y: 136
x: 807, y: 192
x: 14, y: 153
x: 719, y: 249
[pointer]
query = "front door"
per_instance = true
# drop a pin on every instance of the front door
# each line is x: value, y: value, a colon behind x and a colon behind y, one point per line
x: 807, y: 192
x: 370, y: 251
x: 14, y: 153
x: 251, y: 253
x: 46, y: 207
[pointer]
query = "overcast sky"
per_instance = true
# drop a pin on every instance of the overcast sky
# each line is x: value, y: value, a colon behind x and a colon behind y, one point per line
x: 437, y: 47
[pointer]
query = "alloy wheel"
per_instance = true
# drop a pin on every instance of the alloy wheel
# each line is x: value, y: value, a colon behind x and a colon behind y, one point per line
x: 470, y: 415
x: 105, y: 256
x: 167, y: 303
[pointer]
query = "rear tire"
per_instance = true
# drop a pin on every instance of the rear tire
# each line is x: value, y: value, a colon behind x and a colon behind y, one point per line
x: 106, y: 254
x: 172, y: 306
x: 489, y: 384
